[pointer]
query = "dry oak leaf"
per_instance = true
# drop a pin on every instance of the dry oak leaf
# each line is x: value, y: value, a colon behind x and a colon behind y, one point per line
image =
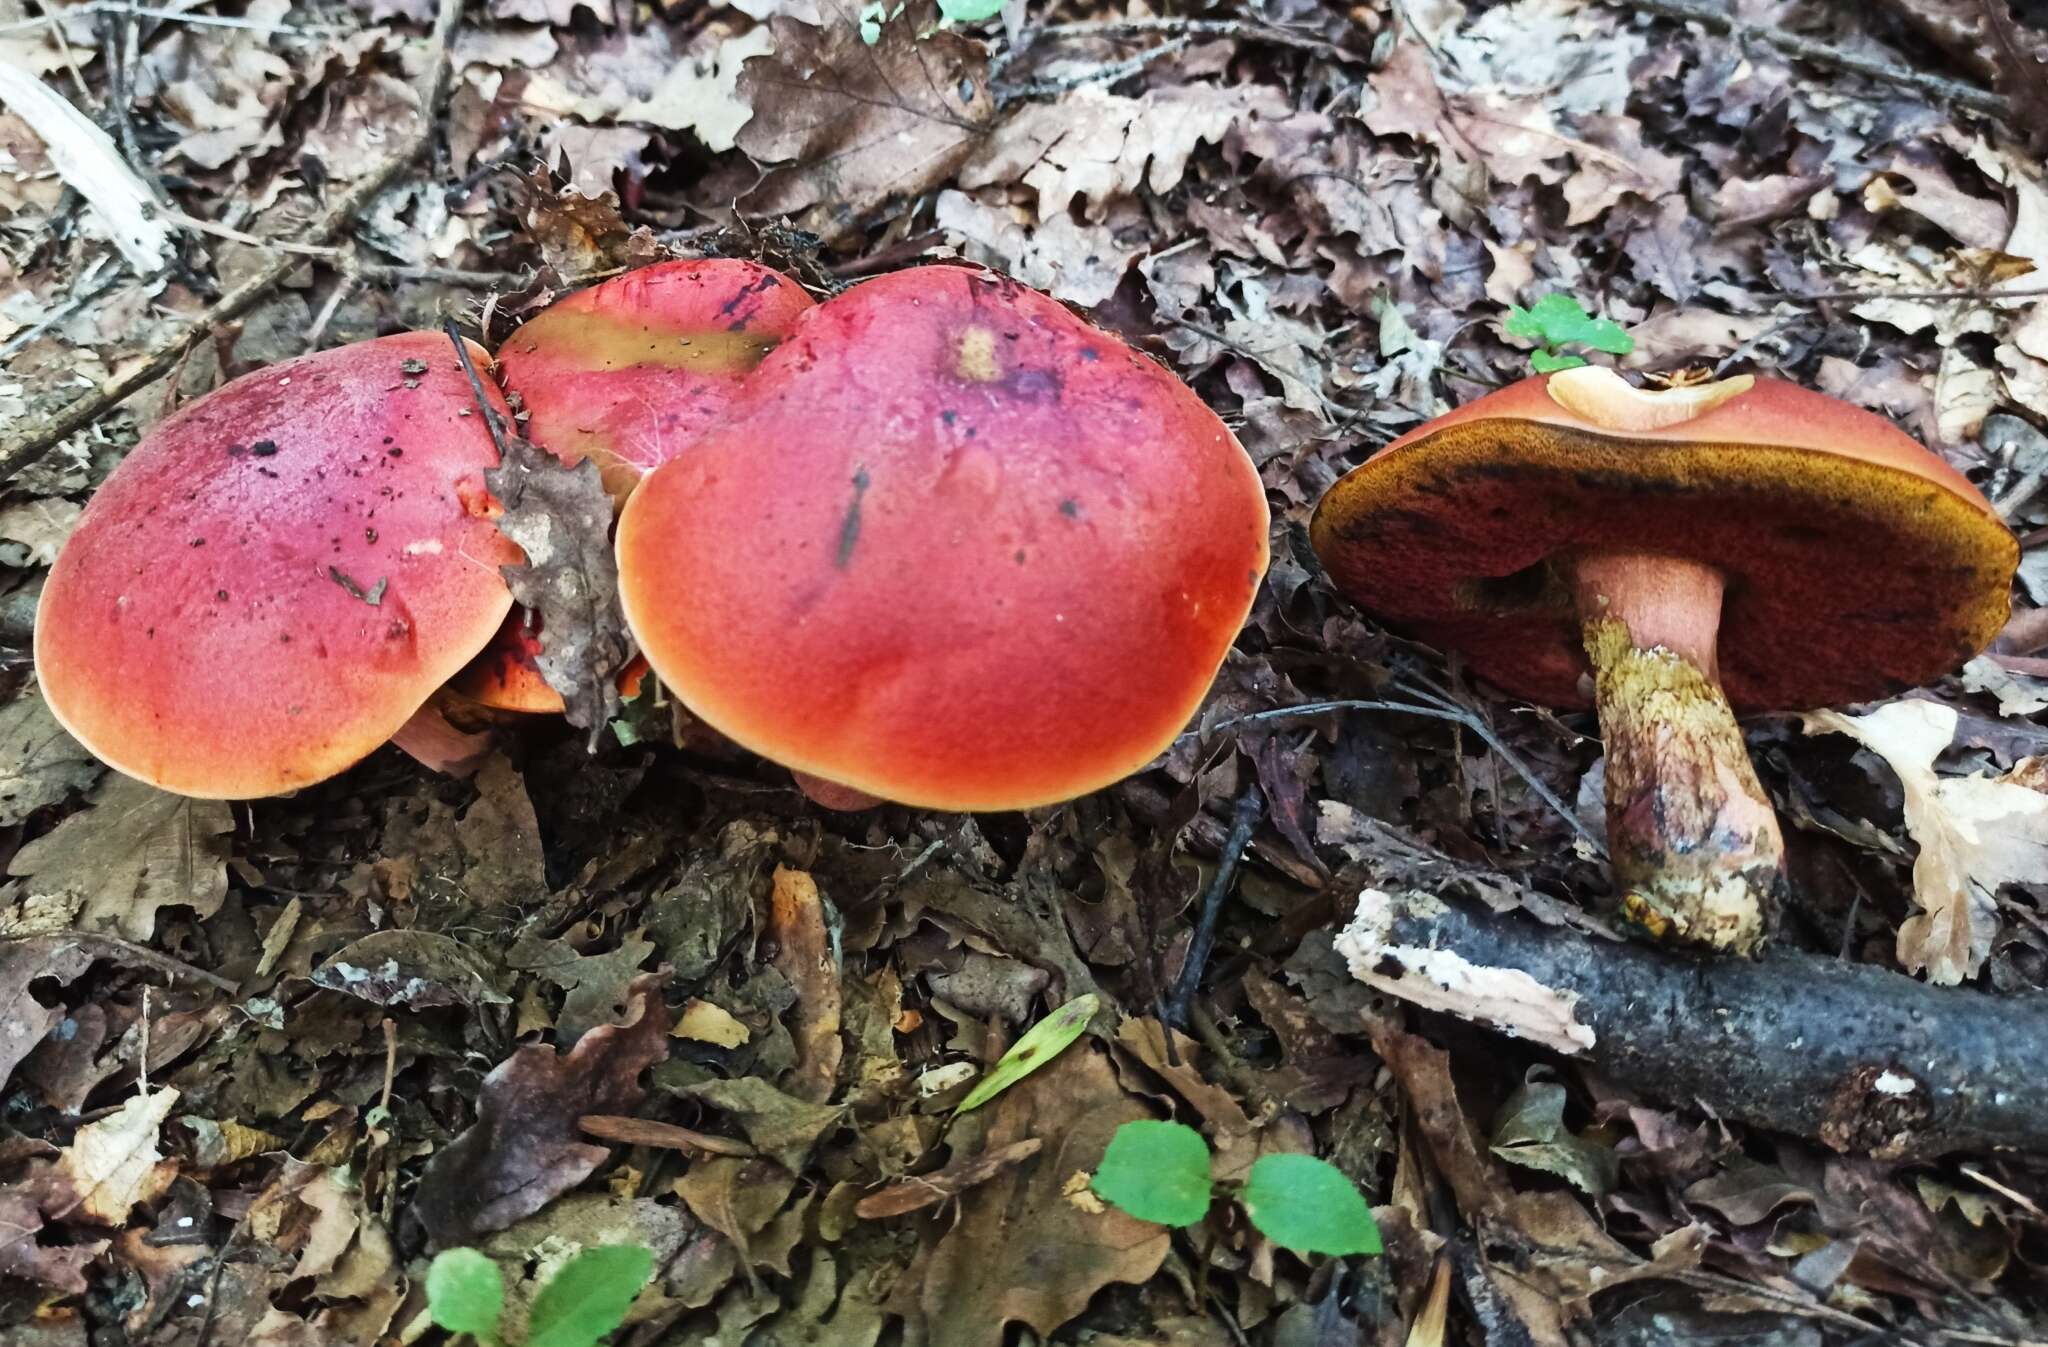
x: 39, y: 763
x: 524, y: 1149
x: 136, y: 850
x: 1079, y: 263
x: 847, y: 124
x: 1098, y: 145
x: 700, y: 92
x: 1975, y: 833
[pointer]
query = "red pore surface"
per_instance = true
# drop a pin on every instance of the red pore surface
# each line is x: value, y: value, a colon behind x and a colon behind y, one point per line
x: 1856, y: 563
x: 628, y: 372
x: 280, y: 574
x: 954, y: 548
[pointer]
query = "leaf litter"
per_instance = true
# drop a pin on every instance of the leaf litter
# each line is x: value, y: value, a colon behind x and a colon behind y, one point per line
x: 260, y: 1061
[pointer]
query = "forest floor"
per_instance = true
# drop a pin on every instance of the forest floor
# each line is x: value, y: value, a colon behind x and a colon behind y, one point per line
x: 259, y: 1061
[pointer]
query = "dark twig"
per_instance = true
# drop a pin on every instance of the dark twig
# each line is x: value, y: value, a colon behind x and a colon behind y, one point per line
x: 492, y: 421
x: 1827, y: 54
x: 40, y: 439
x: 1250, y: 806
x: 1435, y: 708
x: 114, y: 947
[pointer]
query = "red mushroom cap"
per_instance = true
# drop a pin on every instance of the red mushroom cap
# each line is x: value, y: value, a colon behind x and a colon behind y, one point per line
x: 1857, y: 563
x: 629, y: 371
x: 280, y: 574
x: 954, y: 547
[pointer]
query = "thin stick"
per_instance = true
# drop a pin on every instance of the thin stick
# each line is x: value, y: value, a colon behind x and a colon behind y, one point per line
x: 82, y: 412
x: 492, y: 422
x: 1451, y: 712
x: 1233, y: 28
x: 1826, y: 54
x: 1246, y: 817
x: 114, y: 945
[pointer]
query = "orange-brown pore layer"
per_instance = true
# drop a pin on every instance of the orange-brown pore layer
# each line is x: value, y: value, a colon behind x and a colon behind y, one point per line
x: 955, y: 548
x: 279, y: 575
x: 1846, y: 579
x: 630, y: 371
x: 507, y: 676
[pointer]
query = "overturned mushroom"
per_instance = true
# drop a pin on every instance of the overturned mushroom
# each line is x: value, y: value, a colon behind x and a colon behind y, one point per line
x: 1661, y: 555
x: 953, y: 547
x: 278, y: 576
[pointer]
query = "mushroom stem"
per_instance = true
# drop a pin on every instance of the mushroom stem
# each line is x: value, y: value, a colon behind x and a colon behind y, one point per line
x: 832, y: 795
x: 1695, y: 843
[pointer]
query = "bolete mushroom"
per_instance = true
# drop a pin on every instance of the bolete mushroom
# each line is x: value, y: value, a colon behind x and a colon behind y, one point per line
x: 1662, y: 555
x: 280, y: 574
x: 628, y: 372
x: 952, y: 547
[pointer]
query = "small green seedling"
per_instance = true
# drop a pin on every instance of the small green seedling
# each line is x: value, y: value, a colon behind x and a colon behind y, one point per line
x: 1159, y: 1172
x: 582, y: 1304
x: 1557, y: 321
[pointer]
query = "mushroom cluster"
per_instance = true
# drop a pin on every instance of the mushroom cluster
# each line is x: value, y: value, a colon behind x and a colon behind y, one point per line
x: 1667, y: 557
x: 936, y: 541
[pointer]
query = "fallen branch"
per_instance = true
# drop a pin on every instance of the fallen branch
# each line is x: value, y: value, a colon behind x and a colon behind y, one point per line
x: 82, y: 412
x: 1860, y: 1058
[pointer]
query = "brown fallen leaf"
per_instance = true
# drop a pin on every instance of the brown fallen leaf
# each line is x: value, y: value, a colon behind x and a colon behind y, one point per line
x: 845, y: 124
x: 27, y: 1020
x: 1022, y: 1249
x: 136, y: 850
x: 660, y: 1135
x: 39, y: 763
x: 914, y: 1194
x: 737, y: 1198
x: 523, y: 1151
x: 779, y: 1125
x: 1100, y: 146
x: 61, y: 1267
x: 803, y: 954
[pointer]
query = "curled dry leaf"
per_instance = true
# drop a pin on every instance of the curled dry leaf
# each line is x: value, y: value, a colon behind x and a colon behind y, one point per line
x: 562, y: 519
x: 1975, y: 834
x: 110, y: 1165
